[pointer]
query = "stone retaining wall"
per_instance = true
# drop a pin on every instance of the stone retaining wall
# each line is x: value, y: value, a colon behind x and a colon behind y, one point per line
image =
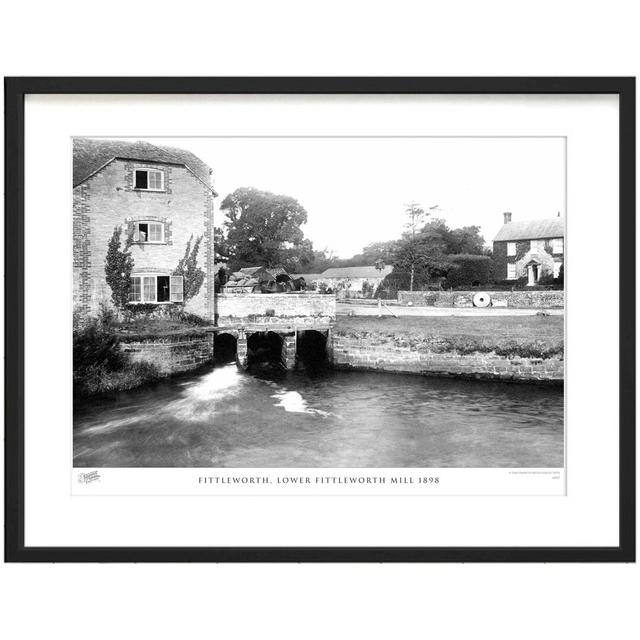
x: 513, y: 299
x: 355, y: 353
x: 172, y: 354
x: 273, y: 308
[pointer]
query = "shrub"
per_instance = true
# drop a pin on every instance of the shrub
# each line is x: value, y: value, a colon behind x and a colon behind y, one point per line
x: 94, y: 343
x: 99, y: 366
x: 367, y: 289
x: 117, y: 268
x: 140, y: 315
x: 546, y: 279
x: 97, y: 379
x: 394, y: 282
x: 468, y: 270
x: 192, y: 274
x: 559, y: 281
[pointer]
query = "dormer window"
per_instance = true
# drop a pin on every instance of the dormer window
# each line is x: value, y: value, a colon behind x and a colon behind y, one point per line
x: 149, y: 180
x: 148, y: 232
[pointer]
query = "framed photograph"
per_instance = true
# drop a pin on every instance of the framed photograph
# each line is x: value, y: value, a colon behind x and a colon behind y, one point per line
x: 320, y: 319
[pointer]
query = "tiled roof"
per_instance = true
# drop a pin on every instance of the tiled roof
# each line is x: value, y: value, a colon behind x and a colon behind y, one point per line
x: 531, y: 229
x: 91, y: 154
x: 307, y: 276
x: 357, y: 272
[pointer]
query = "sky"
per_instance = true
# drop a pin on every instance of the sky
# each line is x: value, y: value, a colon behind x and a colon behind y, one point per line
x: 355, y: 189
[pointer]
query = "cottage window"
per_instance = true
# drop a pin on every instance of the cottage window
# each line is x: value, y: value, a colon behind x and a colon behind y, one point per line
x: 511, y: 271
x: 557, y: 245
x: 156, y: 288
x: 511, y: 248
x: 148, y: 232
x: 149, y: 180
x: 537, y: 246
x: 556, y: 269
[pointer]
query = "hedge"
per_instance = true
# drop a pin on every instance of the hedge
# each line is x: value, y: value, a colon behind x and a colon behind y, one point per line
x: 468, y: 270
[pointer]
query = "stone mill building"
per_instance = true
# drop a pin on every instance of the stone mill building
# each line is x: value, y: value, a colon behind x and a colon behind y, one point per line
x: 160, y: 195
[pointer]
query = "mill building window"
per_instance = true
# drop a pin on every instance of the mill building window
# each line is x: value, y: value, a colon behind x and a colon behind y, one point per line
x: 149, y: 180
x: 156, y: 288
x: 148, y: 232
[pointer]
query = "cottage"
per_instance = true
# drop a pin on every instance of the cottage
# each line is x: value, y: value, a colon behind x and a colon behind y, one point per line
x: 350, y: 282
x: 160, y: 196
x: 529, y: 249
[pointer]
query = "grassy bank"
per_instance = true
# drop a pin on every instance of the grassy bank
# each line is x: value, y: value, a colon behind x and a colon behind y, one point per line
x: 100, y: 367
x: 523, y: 336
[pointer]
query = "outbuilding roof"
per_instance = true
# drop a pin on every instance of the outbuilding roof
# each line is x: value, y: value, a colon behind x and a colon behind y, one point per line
x: 357, y: 272
x: 531, y: 229
x: 91, y: 154
x: 307, y: 276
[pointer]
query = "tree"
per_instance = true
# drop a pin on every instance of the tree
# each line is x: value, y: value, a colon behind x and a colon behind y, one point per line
x: 425, y: 254
x: 466, y: 240
x: 435, y: 237
x: 385, y: 251
x: 192, y: 275
x: 322, y: 260
x: 416, y: 215
x: 420, y: 263
x: 263, y: 229
x: 118, y: 265
x: 220, y: 249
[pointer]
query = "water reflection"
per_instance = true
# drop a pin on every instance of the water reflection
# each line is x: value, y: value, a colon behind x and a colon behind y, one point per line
x: 225, y: 418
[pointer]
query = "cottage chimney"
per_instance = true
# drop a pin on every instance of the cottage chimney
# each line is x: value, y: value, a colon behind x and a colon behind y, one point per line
x: 507, y: 217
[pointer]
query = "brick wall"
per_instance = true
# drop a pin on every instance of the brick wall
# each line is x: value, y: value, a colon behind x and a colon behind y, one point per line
x: 513, y: 299
x: 275, y: 308
x: 175, y: 354
x: 107, y: 200
x: 81, y: 248
x: 354, y: 353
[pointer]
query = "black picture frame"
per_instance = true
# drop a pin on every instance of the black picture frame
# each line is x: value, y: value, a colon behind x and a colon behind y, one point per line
x: 15, y: 91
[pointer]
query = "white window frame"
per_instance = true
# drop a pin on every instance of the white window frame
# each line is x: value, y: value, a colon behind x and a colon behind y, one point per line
x: 557, y: 246
x: 148, y: 169
x: 137, y: 232
x: 172, y: 284
x: 511, y: 249
x: 556, y: 269
x: 537, y: 245
x: 514, y: 275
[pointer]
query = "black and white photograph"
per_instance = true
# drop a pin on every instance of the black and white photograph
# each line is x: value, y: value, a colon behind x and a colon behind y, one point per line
x: 319, y: 302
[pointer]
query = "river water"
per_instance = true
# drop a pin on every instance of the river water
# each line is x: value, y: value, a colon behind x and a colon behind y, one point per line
x: 226, y: 418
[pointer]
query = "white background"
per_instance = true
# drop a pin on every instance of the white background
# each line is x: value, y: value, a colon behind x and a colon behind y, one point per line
x: 489, y: 38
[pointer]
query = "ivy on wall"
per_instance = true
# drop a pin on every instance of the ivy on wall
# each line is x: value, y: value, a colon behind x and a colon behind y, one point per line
x: 193, y: 276
x: 118, y: 267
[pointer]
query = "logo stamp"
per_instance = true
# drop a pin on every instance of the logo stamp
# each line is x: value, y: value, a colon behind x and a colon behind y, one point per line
x: 88, y: 477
